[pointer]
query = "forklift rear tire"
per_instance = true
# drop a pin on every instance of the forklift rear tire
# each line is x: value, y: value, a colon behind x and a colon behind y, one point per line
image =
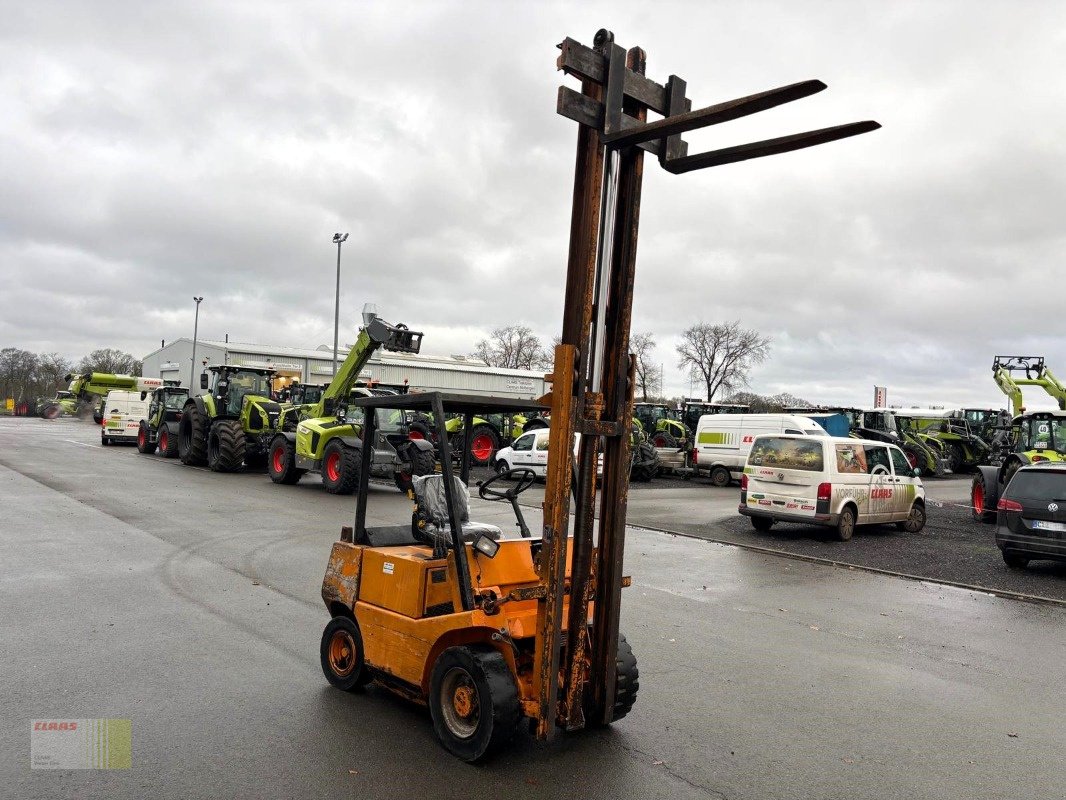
x: 473, y: 701
x: 341, y: 653
x: 144, y: 439
x: 626, y: 684
x: 720, y: 477
x: 282, y: 462
x: 340, y: 468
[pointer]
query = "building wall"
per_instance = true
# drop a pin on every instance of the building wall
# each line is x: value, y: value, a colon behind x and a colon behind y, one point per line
x: 172, y: 362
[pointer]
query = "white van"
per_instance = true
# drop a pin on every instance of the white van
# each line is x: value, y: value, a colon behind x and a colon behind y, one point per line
x: 123, y: 412
x: 530, y: 451
x: 837, y: 482
x: 723, y: 441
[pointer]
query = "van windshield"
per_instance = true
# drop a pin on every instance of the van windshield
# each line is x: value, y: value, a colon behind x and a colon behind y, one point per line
x: 774, y: 451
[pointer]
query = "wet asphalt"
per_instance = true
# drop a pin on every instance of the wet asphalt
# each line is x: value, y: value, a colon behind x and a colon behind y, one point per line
x: 133, y: 587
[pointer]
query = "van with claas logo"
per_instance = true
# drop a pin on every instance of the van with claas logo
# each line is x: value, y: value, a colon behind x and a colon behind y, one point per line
x: 836, y: 482
x: 723, y: 441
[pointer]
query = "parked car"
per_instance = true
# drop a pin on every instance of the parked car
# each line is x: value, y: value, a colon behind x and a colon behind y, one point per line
x: 1031, y: 515
x: 122, y: 415
x: 530, y: 451
x: 723, y: 441
x: 837, y: 482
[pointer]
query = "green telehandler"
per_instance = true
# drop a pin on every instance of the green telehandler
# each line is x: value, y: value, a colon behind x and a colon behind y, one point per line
x: 327, y: 438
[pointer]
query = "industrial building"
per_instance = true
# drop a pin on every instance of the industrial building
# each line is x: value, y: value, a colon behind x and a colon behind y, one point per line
x: 419, y: 372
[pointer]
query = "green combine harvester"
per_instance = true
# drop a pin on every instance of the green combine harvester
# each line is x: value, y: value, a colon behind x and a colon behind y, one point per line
x: 86, y: 392
x: 326, y: 438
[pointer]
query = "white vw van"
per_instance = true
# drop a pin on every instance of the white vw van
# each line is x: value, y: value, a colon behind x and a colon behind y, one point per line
x: 724, y: 440
x: 123, y: 412
x: 823, y: 480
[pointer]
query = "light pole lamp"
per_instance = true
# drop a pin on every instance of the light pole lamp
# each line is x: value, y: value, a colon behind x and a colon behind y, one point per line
x: 338, y: 239
x: 195, y: 333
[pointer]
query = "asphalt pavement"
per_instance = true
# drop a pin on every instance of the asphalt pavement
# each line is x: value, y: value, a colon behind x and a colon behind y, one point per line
x: 134, y: 587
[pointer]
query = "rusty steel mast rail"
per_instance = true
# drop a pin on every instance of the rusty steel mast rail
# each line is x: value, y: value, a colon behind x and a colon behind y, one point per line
x: 593, y: 375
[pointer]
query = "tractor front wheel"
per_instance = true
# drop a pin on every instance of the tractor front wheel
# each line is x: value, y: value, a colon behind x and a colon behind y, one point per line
x: 144, y: 439
x: 281, y: 462
x: 423, y: 462
x: 192, y: 437
x: 340, y: 467
x: 473, y: 701
x: 483, y: 444
x: 664, y: 440
x: 226, y: 445
x: 168, y: 443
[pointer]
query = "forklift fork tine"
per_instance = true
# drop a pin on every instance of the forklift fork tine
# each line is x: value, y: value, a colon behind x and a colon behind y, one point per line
x: 768, y: 147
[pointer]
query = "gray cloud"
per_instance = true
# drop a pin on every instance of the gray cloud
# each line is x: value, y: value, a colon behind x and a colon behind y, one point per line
x: 153, y: 152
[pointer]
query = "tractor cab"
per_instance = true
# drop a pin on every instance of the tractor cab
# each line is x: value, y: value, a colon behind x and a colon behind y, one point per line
x: 230, y: 385
x: 1041, y: 435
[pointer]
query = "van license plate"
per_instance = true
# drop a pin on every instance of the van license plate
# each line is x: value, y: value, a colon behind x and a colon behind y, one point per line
x: 1049, y: 526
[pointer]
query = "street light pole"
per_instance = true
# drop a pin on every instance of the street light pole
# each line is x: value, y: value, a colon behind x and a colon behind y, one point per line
x: 338, y: 239
x: 195, y: 333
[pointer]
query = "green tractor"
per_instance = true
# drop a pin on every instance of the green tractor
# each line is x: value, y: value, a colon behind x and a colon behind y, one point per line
x: 327, y: 438
x: 661, y: 425
x: 487, y: 433
x: 963, y: 448
x: 161, y: 429
x: 230, y: 426
x: 1037, y: 437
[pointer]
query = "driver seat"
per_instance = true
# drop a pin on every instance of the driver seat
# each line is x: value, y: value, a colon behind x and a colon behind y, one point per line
x: 430, y: 521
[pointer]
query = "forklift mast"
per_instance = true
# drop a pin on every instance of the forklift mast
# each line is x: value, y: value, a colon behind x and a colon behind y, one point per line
x: 1036, y: 374
x: 593, y: 375
x: 376, y: 333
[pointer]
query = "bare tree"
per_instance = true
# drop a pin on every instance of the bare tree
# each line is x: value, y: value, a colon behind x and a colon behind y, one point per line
x: 110, y: 360
x: 513, y: 347
x: 18, y: 371
x: 764, y: 404
x: 649, y: 377
x: 52, y: 368
x: 721, y: 355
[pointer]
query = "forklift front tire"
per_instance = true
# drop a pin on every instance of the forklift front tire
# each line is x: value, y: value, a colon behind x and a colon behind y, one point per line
x: 473, y: 701
x: 341, y: 652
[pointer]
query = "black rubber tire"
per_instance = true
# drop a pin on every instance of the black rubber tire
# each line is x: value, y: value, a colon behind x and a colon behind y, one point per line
x: 1015, y: 560
x: 475, y: 434
x: 422, y: 429
x: 846, y: 525
x: 346, y: 478
x: 51, y: 411
x: 423, y: 462
x: 534, y: 424
x: 627, y: 679
x: 192, y: 437
x: 226, y: 446
x: 483, y: 672
x: 501, y: 466
x: 915, y: 521
x: 341, y: 655
x: 953, y: 454
x: 761, y: 524
x: 144, y: 439
x: 981, y: 500
x: 168, y: 443
x: 255, y: 461
x: 720, y: 477
x: 281, y: 462
x: 664, y: 440
x: 104, y: 440
x: 915, y: 457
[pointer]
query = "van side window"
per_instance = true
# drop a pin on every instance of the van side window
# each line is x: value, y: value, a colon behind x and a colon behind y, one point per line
x: 851, y: 458
x: 900, y: 462
x: 789, y: 430
x: 877, y: 457
x: 524, y: 442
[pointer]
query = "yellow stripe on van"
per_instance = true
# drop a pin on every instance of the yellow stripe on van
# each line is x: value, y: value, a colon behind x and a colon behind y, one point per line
x: 716, y: 437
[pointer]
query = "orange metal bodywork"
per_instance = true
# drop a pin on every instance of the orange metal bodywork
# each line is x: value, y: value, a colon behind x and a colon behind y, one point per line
x: 409, y: 610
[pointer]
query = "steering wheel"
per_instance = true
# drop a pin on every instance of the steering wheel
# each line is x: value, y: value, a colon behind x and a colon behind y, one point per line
x: 879, y: 469
x: 525, y: 477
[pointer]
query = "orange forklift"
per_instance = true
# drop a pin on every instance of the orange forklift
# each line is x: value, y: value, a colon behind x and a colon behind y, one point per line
x: 488, y: 627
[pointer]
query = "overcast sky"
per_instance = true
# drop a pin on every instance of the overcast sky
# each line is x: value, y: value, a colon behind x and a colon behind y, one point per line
x: 155, y: 151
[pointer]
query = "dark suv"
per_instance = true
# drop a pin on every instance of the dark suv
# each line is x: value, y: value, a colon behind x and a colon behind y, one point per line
x: 1031, y: 515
